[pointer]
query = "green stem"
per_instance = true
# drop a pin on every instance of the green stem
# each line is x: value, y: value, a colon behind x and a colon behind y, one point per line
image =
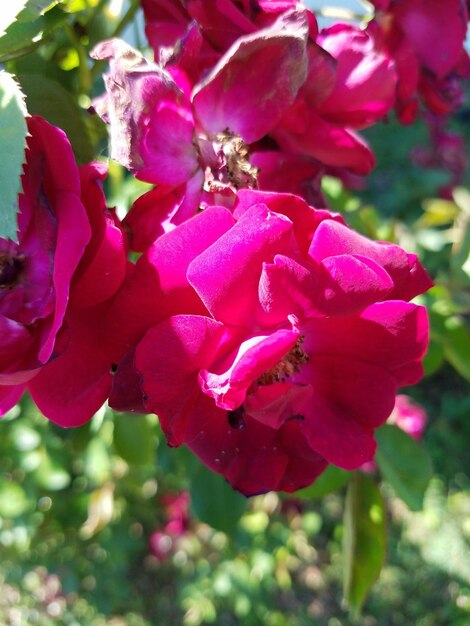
x: 126, y: 18
x: 84, y: 74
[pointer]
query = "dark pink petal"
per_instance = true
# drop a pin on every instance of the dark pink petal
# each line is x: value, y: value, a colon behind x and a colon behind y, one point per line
x: 329, y: 144
x: 226, y: 275
x: 321, y: 77
x: 227, y: 382
x: 168, y: 359
x: 332, y: 239
x: 332, y: 433
x: 221, y: 21
x: 17, y: 347
x: 236, y: 96
x: 9, y: 396
x: 289, y: 173
x: 286, y: 288
x: 275, y: 405
x: 126, y: 393
x: 161, y: 210
x: 52, y: 171
x: 363, y: 391
x: 165, y: 23
x: 103, y: 266
x: 426, y: 22
x: 350, y: 283
x: 72, y: 387
x: 254, y: 458
x: 391, y: 334
x: 158, y: 282
x: 364, y: 89
x: 150, y: 118
x: 305, y: 218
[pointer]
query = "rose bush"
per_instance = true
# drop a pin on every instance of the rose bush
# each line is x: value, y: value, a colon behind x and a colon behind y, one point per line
x: 271, y: 341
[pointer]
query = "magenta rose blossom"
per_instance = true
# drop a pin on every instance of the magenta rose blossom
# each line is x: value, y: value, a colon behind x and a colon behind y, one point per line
x: 279, y: 339
x: 56, y: 284
x: 35, y: 273
x: 73, y: 386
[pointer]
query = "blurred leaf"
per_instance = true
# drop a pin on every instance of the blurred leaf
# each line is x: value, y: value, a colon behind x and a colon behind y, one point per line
x: 97, y: 461
x: 214, y: 501
x: 364, y: 539
x: 438, y: 212
x: 13, y: 500
x: 100, y: 511
x: 455, y: 339
x: 22, y: 37
x: 434, y: 358
x: 135, y: 438
x: 462, y: 198
x: 13, y: 133
x: 48, y: 98
x: 24, y: 437
x: 460, y: 258
x: 332, y: 479
x: 51, y: 474
x: 404, y: 463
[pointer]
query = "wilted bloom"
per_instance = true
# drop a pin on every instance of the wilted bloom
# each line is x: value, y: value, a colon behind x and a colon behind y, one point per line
x: 279, y: 339
x: 238, y: 126
x: 70, y: 259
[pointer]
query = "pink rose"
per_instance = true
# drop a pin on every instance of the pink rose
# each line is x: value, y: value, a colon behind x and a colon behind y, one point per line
x: 35, y: 273
x: 277, y: 338
x: 57, y: 283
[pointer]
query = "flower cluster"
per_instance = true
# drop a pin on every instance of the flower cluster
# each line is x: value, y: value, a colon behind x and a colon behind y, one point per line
x: 268, y: 336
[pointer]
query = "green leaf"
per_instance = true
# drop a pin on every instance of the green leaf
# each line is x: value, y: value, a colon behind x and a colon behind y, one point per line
x: 214, y: 501
x: 23, y: 37
x: 97, y: 461
x: 48, y: 98
x: 13, y: 500
x: 35, y: 8
x: 9, y: 13
x: 455, y: 338
x: 13, y: 133
x: 364, y: 539
x: 404, y: 463
x: 332, y: 479
x: 135, y: 438
x: 434, y: 358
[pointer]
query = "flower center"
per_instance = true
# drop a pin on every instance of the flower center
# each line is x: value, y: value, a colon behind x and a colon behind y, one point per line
x: 240, y: 172
x: 287, y: 366
x: 10, y: 270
